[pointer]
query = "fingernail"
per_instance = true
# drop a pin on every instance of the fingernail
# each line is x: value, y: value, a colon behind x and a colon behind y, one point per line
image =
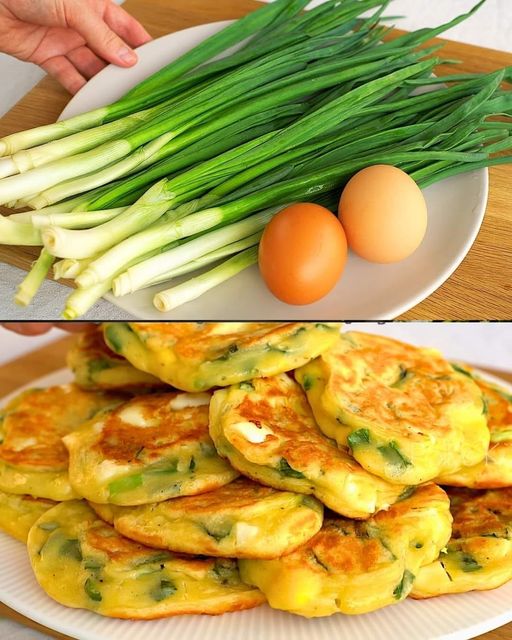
x: 127, y: 55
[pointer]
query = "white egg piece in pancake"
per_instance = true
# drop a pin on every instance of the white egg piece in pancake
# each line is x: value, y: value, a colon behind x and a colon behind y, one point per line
x: 152, y: 448
x: 82, y: 562
x: 266, y: 429
x: 196, y: 356
x: 405, y: 413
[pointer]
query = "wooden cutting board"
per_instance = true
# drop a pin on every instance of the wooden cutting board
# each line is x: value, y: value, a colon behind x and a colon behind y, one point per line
x: 481, y: 288
x: 52, y: 357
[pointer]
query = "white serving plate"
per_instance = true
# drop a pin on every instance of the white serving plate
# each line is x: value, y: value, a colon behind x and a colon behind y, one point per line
x: 454, y: 617
x: 366, y: 291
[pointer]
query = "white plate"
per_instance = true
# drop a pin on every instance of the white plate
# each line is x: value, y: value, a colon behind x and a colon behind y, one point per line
x: 454, y: 617
x: 366, y: 291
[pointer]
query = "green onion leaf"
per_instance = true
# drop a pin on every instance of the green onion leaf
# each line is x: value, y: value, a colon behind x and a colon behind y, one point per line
x: 287, y: 471
x: 125, y: 484
x: 392, y: 454
x: 92, y: 590
x: 404, y: 587
x: 358, y: 438
x: 164, y: 590
x: 71, y: 549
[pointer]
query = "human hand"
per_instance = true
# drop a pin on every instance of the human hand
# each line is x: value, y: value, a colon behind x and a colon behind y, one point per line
x: 70, y: 39
x: 38, y: 328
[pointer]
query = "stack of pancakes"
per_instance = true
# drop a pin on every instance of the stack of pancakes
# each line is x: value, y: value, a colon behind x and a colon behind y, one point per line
x: 211, y: 467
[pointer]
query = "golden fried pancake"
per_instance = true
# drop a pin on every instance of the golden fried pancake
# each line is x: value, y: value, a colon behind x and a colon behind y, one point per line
x: 355, y: 567
x: 265, y: 428
x: 33, y: 459
x: 479, y: 554
x: 201, y: 355
x: 18, y: 513
x: 100, y: 570
x: 405, y: 413
x: 240, y: 520
x: 495, y: 471
x: 152, y: 448
x: 95, y: 366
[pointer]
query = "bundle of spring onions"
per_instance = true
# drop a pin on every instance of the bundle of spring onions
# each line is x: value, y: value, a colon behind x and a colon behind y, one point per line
x: 182, y: 174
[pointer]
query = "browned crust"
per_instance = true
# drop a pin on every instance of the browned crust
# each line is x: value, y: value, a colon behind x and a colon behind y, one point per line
x: 122, y: 442
x: 477, y: 513
x: 44, y: 417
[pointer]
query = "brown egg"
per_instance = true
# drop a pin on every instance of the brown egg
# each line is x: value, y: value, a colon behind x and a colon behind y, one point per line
x: 384, y: 214
x: 302, y: 253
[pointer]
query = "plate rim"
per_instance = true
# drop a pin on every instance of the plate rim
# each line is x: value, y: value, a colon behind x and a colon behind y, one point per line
x: 393, y: 312
x: 64, y: 375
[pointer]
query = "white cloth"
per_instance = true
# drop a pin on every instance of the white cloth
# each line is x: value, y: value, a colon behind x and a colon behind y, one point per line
x: 13, y: 631
x: 49, y: 301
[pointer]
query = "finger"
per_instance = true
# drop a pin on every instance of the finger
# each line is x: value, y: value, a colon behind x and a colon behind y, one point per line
x: 64, y: 72
x: 28, y: 328
x: 126, y: 26
x: 101, y: 39
x: 86, y: 61
x: 75, y: 327
x: 57, y: 41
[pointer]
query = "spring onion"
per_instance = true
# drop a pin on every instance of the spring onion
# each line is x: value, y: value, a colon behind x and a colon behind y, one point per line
x: 214, y: 45
x: 33, y: 280
x: 149, y: 209
x: 145, y: 272
x: 19, y: 233
x: 180, y: 294
x: 80, y: 220
x: 173, y: 132
x: 209, y: 258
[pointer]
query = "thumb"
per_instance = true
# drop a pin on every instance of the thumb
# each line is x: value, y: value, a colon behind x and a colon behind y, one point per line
x: 101, y: 39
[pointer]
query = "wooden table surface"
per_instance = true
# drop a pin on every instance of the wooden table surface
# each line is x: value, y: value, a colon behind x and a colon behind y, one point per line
x: 52, y: 357
x: 481, y: 288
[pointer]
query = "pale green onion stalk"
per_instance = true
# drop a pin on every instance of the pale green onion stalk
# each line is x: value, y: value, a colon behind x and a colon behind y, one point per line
x: 58, y: 270
x: 70, y: 243
x: 68, y: 207
x: 110, y: 262
x: 7, y: 167
x: 46, y: 133
x: 34, y: 279
x: 196, y: 287
x: 25, y: 160
x: 36, y: 180
x: 210, y: 258
x: 141, y: 274
x: 69, y: 268
x: 25, y: 217
x: 81, y: 300
x: 78, y: 220
x: 98, y: 178
x: 22, y: 202
x: 19, y: 233
x: 72, y: 205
